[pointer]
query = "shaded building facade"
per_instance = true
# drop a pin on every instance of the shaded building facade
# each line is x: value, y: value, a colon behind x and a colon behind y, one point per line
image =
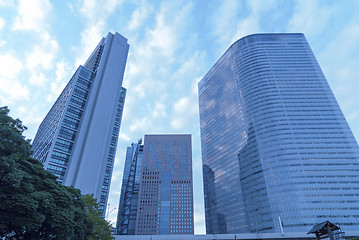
x: 77, y: 139
x: 165, y: 203
x: 277, y: 151
x: 217, y: 223
x: 127, y: 210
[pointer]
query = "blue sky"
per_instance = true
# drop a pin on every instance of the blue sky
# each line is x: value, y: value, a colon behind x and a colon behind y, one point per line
x: 172, y: 46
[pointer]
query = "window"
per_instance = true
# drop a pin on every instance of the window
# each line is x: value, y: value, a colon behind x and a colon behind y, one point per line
x: 70, y: 122
x: 77, y: 102
x: 67, y: 133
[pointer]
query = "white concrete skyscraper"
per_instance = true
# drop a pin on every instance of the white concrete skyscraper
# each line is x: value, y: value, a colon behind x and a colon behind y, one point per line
x: 77, y: 139
x: 278, y: 154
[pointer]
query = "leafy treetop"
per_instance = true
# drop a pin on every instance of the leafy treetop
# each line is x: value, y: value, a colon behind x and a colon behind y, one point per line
x: 33, y: 204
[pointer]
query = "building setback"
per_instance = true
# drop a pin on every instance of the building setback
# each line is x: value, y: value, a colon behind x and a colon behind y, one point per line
x: 77, y: 139
x: 127, y: 210
x: 278, y: 154
x: 165, y: 199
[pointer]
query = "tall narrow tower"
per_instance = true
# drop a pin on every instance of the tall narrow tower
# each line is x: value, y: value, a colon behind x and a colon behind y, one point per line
x: 277, y: 151
x: 77, y: 139
x: 127, y: 210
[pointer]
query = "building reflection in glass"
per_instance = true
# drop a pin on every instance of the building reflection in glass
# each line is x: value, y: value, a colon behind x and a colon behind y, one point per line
x: 275, y: 144
x: 258, y: 213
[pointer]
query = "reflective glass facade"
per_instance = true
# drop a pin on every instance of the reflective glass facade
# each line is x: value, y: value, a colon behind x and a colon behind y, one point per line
x: 77, y: 139
x: 165, y: 204
x: 127, y: 210
x: 275, y: 144
x: 60, y: 126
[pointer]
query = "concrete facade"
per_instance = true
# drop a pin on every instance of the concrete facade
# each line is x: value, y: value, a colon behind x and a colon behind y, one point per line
x: 165, y: 202
x: 77, y: 139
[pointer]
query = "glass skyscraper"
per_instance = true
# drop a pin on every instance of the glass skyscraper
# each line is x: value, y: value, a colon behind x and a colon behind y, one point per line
x: 278, y: 154
x: 127, y: 210
x: 162, y: 168
x: 77, y: 139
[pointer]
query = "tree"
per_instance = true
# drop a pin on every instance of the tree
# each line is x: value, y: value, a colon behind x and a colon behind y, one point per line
x: 101, y: 228
x: 33, y: 205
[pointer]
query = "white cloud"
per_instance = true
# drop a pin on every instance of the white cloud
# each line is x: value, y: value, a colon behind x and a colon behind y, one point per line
x: 353, y: 116
x: 189, y: 69
x: 30, y: 115
x: 141, y: 125
x: 44, y: 54
x: 94, y: 10
x: 62, y: 71
x: 2, y: 23
x: 164, y: 34
x: 165, y: 38
x: 182, y: 105
x: 124, y: 137
x: 140, y: 90
x: 90, y: 37
x: 310, y: 17
x: 37, y: 79
x: 6, y: 3
x: 71, y: 7
x: 259, y: 6
x: 33, y: 15
x: 10, y: 66
x: 160, y: 110
x: 343, y: 73
x: 63, y: 74
x: 245, y: 27
x: 149, y: 63
x: 139, y: 15
x: 11, y: 88
x: 118, y: 172
x: 343, y: 44
x: 55, y: 90
x: 223, y: 20
x: 132, y: 69
x: 95, y: 14
x: 251, y: 23
x: 185, y: 110
x: 185, y: 114
x: 41, y: 58
x: 13, y: 91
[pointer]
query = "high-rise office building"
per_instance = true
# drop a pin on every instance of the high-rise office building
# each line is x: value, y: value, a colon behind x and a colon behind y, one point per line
x: 77, y: 139
x: 166, y: 189
x: 165, y: 197
x: 127, y: 210
x: 278, y: 154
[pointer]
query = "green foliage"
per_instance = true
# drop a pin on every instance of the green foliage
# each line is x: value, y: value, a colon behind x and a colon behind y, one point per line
x: 101, y: 228
x: 33, y: 205
x: 12, y: 141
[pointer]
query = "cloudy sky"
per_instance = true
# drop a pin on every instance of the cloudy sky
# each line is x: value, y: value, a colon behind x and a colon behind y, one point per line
x: 172, y: 46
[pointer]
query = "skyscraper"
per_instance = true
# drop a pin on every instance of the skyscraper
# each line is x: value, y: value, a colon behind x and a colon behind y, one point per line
x: 77, y: 139
x: 166, y: 188
x: 164, y: 199
x: 127, y: 210
x: 277, y: 151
